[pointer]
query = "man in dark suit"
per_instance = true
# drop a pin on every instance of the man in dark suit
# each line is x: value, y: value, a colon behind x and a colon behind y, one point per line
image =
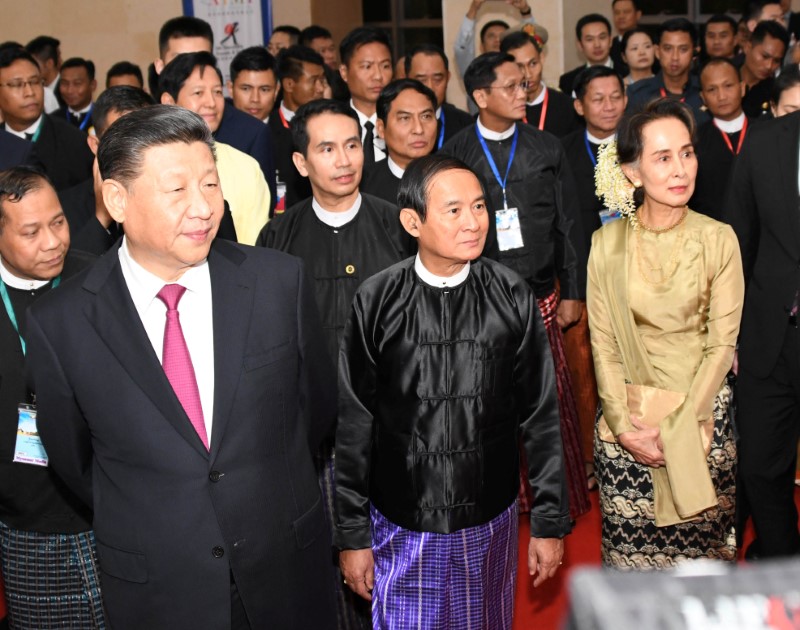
x: 59, y: 146
x: 428, y: 64
x: 762, y: 207
x: 76, y: 86
x: 194, y: 448
x: 593, y: 33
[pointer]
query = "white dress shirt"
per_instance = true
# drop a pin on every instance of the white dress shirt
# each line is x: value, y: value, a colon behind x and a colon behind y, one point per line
x: 440, y: 281
x: 394, y: 168
x: 496, y: 135
x: 378, y: 143
x: 195, y: 311
x: 16, y: 282
x: 50, y: 100
x: 730, y: 126
x: 336, y: 219
x: 31, y: 130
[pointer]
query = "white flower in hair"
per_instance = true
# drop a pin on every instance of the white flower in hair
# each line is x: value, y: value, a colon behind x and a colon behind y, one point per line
x: 610, y: 182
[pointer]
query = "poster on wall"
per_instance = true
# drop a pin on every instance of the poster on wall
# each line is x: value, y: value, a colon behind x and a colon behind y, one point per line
x: 237, y: 24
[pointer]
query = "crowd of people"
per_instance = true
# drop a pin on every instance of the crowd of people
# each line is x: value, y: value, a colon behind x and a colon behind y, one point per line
x: 333, y: 311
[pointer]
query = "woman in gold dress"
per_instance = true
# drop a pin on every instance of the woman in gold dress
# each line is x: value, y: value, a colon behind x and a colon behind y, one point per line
x: 664, y: 298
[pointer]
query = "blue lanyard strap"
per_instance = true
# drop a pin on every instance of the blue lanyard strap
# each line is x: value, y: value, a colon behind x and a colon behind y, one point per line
x: 85, y: 120
x: 10, y: 308
x: 492, y: 164
x: 589, y: 149
x: 441, y: 133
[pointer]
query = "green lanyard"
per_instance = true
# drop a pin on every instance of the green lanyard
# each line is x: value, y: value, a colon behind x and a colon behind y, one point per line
x: 10, y: 308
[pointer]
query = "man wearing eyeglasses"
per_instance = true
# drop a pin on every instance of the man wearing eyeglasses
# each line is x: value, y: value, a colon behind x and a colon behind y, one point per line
x: 535, y: 209
x: 60, y: 147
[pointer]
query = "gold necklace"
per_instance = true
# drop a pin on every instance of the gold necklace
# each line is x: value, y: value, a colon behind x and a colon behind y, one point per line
x: 672, y: 264
x: 658, y: 230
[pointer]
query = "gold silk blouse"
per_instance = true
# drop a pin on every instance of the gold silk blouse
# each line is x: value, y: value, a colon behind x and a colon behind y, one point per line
x: 664, y: 310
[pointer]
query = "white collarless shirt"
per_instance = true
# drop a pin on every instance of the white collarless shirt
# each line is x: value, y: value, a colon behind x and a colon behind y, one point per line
x: 439, y: 282
x: 195, y: 313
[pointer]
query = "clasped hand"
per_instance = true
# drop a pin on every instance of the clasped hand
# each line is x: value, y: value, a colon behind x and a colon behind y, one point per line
x: 644, y: 444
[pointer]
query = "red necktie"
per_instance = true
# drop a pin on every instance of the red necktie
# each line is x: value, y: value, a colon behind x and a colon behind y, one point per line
x: 177, y: 362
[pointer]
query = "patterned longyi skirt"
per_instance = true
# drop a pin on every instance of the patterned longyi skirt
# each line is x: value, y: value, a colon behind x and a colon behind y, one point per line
x: 630, y: 538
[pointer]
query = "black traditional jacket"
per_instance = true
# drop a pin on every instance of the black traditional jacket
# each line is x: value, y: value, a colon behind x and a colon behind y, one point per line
x: 437, y: 387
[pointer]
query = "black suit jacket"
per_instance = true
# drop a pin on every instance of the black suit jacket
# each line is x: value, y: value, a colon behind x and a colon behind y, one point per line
x: 454, y: 121
x: 762, y: 206
x: 583, y: 171
x: 63, y: 152
x: 15, y: 151
x: 173, y: 521
x: 298, y: 187
x: 64, y: 114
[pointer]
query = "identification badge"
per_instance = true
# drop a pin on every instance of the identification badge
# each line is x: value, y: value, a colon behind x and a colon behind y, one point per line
x: 607, y: 216
x: 29, y: 448
x: 280, y: 193
x: 509, y: 233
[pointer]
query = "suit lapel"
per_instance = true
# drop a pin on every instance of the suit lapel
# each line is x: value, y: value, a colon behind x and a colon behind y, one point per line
x: 116, y: 321
x: 232, y: 296
x: 788, y: 145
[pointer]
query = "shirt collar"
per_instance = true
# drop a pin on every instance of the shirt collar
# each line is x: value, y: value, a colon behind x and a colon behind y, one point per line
x: 496, y: 135
x: 608, y: 63
x: 438, y: 113
x: 85, y: 110
x: 336, y: 219
x: 540, y: 98
x: 20, y: 283
x: 363, y: 118
x: 394, y: 168
x: 146, y: 285
x: 440, y: 281
x: 596, y: 140
x: 288, y: 114
x: 731, y: 126
x: 31, y: 130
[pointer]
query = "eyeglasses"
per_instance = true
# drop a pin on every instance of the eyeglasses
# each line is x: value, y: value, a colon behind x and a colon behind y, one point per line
x: 18, y: 86
x: 510, y: 90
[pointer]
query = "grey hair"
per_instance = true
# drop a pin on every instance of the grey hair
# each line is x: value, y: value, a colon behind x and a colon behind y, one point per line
x: 120, y: 155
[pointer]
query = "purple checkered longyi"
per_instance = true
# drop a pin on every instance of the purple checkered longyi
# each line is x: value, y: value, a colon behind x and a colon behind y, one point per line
x: 430, y: 581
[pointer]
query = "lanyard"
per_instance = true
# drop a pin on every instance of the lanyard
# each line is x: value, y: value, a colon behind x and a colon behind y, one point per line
x: 283, y: 118
x: 440, y: 142
x: 543, y: 113
x: 728, y: 140
x: 664, y: 95
x: 10, y: 308
x: 493, y: 166
x: 83, y: 124
x: 589, y: 149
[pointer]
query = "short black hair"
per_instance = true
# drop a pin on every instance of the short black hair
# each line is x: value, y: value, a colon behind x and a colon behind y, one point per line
x: 753, y: 10
x: 80, y: 62
x: 630, y: 137
x: 587, y: 75
x: 787, y: 79
x: 121, y: 153
x: 18, y: 181
x: 176, y: 72
x: 292, y: 31
x: 121, y: 99
x: 123, y: 68
x: 310, y: 33
x: 183, y: 26
x: 678, y: 25
x: 304, y: 113
x: 771, y: 29
x: 628, y: 34
x: 718, y: 61
x: 517, y: 39
x: 592, y: 18
x: 722, y: 18
x: 9, y: 55
x: 490, y: 24
x: 290, y: 61
x: 359, y: 37
x: 483, y: 70
x: 418, y: 177
x: 255, y: 58
x: 44, y: 47
x: 393, y: 90
x: 431, y: 50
